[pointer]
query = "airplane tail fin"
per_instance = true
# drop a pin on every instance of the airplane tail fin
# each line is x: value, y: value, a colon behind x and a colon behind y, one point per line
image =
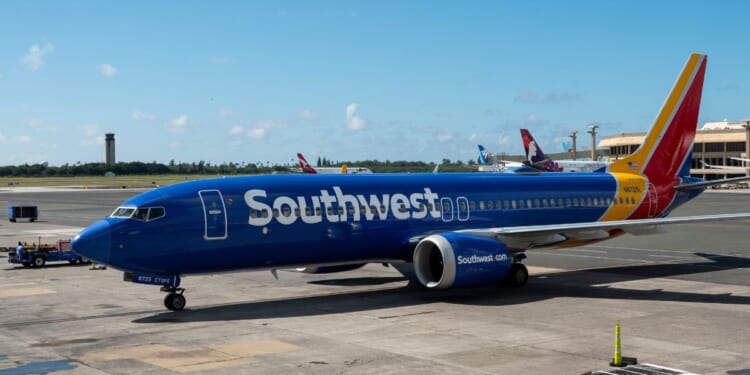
x: 343, y: 168
x: 306, y: 167
x: 482, y: 154
x: 534, y: 154
x: 667, y: 148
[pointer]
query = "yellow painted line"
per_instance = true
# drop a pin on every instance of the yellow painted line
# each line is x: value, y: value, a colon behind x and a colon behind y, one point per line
x: 22, y: 292
x: 212, y: 365
x: 258, y: 347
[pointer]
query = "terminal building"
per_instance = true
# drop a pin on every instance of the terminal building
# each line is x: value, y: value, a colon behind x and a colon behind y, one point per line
x: 716, y: 143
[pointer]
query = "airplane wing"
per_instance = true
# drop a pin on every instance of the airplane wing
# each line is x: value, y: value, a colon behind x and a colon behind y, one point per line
x: 521, y: 238
x: 728, y: 167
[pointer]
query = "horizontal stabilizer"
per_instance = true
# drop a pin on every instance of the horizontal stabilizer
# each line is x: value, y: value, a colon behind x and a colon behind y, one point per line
x: 703, y: 184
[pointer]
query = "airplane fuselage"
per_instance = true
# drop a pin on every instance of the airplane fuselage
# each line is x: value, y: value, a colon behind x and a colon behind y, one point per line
x: 287, y: 220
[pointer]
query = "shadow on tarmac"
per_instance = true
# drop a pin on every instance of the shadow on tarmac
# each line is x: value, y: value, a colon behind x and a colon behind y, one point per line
x: 577, y: 284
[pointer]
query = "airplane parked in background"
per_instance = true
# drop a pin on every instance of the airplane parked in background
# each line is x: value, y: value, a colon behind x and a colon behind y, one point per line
x: 489, y: 164
x: 458, y: 229
x: 536, y: 158
x: 725, y: 167
x: 305, y: 167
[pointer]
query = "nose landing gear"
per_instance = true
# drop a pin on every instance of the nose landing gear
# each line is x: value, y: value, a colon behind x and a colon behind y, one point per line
x: 174, y: 301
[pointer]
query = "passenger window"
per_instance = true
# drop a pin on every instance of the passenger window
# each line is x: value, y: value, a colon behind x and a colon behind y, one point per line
x: 621, y: 201
x: 481, y: 205
x: 588, y: 202
x: 473, y: 205
x: 536, y: 203
x: 544, y: 203
x: 528, y: 203
x: 253, y: 213
x: 506, y: 205
x: 497, y: 204
x: 275, y: 212
x: 296, y: 212
x: 318, y: 211
x: 462, y: 205
x: 568, y: 202
x: 308, y: 211
x: 350, y: 209
x: 520, y: 203
x: 489, y: 205
x: 560, y: 203
x: 513, y: 203
x: 155, y: 213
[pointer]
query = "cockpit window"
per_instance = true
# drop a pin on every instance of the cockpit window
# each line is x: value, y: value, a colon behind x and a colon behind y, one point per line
x: 123, y: 212
x: 142, y: 213
x: 155, y: 213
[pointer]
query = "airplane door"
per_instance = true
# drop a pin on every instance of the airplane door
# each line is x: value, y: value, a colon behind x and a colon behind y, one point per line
x: 214, y: 215
x: 447, y: 208
x: 653, y: 200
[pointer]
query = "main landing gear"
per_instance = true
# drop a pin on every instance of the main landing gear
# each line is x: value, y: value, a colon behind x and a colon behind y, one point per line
x: 518, y: 274
x: 174, y: 301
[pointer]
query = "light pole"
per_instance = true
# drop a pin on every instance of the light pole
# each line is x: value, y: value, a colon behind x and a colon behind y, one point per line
x: 747, y: 147
x: 573, y: 135
x: 592, y: 131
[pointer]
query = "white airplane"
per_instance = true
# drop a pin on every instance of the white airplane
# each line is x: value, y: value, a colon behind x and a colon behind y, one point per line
x: 726, y: 167
x: 305, y: 167
x: 501, y: 166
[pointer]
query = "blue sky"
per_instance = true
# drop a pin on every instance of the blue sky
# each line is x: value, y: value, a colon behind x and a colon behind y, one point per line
x: 230, y: 81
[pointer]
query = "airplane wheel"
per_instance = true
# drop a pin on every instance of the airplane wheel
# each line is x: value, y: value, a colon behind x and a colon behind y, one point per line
x: 39, y: 261
x: 174, y: 301
x: 517, y: 276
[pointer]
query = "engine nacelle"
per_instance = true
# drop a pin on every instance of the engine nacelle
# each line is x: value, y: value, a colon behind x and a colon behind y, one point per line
x: 450, y: 260
x: 329, y: 268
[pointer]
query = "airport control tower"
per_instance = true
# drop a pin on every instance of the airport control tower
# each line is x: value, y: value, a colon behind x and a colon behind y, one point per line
x: 109, y: 148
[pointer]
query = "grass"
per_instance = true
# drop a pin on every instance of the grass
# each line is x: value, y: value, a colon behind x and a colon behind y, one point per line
x: 116, y: 181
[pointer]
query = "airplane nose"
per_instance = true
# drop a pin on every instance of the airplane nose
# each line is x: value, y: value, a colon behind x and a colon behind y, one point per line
x: 94, y: 242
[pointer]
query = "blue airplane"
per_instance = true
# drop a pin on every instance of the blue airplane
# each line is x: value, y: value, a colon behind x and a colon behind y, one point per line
x: 457, y: 229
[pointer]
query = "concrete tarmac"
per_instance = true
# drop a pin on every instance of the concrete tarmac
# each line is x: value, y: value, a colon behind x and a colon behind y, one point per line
x: 683, y: 300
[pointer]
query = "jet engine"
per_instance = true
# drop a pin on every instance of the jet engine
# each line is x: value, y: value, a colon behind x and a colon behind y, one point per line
x: 450, y: 260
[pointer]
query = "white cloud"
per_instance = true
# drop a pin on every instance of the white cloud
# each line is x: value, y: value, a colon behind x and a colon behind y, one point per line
x: 532, y: 119
x: 225, y: 113
x: 178, y: 125
x: 473, y: 137
x: 308, y: 115
x: 34, y: 59
x: 92, y: 135
x: 107, y: 70
x: 445, y: 136
x: 219, y: 59
x: 261, y: 129
x: 353, y: 122
x: 235, y: 130
x: 90, y: 130
x: 14, y: 140
x: 257, y: 133
x: 142, y: 116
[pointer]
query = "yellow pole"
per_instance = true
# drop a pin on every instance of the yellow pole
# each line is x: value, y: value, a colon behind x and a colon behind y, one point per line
x: 617, y: 360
